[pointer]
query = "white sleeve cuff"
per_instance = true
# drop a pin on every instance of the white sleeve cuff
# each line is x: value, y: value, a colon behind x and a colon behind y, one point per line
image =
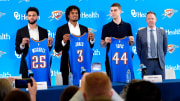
x: 92, y: 42
x: 63, y: 44
x: 22, y: 47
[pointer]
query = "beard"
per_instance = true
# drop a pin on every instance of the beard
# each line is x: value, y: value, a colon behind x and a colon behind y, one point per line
x: 74, y: 20
x: 32, y: 22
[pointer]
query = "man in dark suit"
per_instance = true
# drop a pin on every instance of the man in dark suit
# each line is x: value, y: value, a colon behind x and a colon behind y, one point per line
x: 32, y: 30
x: 63, y: 39
x: 151, y: 45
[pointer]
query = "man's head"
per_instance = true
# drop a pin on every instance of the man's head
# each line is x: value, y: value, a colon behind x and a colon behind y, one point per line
x: 143, y: 91
x: 32, y: 15
x: 151, y: 19
x: 72, y: 13
x: 115, y: 10
x: 97, y: 84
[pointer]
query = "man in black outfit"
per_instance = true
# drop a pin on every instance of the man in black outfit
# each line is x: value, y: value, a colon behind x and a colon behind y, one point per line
x: 32, y: 30
x: 116, y: 28
x: 62, y: 40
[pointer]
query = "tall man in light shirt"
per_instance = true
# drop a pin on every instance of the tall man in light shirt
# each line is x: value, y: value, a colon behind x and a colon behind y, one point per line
x: 32, y: 30
x: 62, y: 40
x: 151, y: 45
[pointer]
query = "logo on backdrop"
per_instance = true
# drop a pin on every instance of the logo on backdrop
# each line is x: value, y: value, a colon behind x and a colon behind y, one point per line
x: 89, y: 15
x: 23, y: 0
x: 137, y: 14
x: 96, y: 52
x: 2, y: 53
x: 91, y: 30
x: 5, y: 75
x: 51, y: 34
x: 175, y: 67
x: 4, y: 36
x: 171, y: 48
x: 1, y: 14
x: 169, y: 13
x: 173, y: 32
x: 109, y: 15
x: 56, y: 15
x: 58, y: 55
x: 19, y: 16
x: 18, y: 55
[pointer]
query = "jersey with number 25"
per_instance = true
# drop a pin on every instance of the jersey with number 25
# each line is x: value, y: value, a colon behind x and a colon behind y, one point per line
x: 38, y: 61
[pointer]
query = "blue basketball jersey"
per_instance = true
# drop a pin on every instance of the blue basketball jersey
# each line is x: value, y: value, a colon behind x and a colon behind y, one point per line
x: 120, y: 59
x: 38, y: 60
x: 80, y: 56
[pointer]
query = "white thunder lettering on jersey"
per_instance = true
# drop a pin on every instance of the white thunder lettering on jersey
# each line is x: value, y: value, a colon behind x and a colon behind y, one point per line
x: 79, y: 44
x: 43, y: 50
x: 120, y: 46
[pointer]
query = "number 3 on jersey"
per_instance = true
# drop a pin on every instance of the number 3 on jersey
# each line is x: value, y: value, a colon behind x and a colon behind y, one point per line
x: 80, y: 57
x: 117, y: 59
x: 41, y: 60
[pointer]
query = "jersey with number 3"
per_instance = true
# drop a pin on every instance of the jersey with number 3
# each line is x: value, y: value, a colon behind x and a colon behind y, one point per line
x: 120, y: 59
x: 37, y: 60
x: 80, y: 56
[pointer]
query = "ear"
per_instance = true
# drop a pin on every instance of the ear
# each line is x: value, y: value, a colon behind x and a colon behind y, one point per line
x: 85, y: 97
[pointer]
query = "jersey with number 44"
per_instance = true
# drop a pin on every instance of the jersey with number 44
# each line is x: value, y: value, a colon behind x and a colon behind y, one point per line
x: 38, y: 61
x: 120, y: 59
x: 80, y: 56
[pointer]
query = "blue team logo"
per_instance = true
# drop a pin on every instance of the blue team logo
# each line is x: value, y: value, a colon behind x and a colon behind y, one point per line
x: 56, y: 15
x: 169, y: 13
x: 171, y: 48
x: 23, y: 0
x: 2, y: 53
x: 1, y: 14
x: 58, y: 55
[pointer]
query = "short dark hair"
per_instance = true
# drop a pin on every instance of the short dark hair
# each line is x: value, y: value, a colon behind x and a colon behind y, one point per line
x: 143, y: 91
x: 32, y: 9
x: 70, y: 8
x: 68, y: 93
x: 116, y: 5
x: 151, y: 12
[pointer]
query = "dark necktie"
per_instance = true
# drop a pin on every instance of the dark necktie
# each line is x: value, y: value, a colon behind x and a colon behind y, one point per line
x: 152, y: 44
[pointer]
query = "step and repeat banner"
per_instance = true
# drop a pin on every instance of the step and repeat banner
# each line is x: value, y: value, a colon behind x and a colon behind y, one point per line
x: 94, y: 14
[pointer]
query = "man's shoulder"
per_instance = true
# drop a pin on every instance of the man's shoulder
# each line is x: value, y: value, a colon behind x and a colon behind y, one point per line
x: 142, y: 29
x: 40, y: 28
x: 23, y: 28
x: 108, y: 24
x: 63, y: 26
x: 82, y: 26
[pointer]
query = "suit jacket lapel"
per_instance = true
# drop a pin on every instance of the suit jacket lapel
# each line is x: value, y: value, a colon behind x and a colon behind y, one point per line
x: 158, y: 36
x: 26, y: 32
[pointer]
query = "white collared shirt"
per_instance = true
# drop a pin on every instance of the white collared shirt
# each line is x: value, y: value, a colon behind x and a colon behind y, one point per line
x: 75, y: 30
x: 33, y: 33
x: 148, y: 40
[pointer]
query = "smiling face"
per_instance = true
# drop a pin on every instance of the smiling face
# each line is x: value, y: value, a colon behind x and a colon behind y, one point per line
x: 73, y: 15
x: 32, y: 17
